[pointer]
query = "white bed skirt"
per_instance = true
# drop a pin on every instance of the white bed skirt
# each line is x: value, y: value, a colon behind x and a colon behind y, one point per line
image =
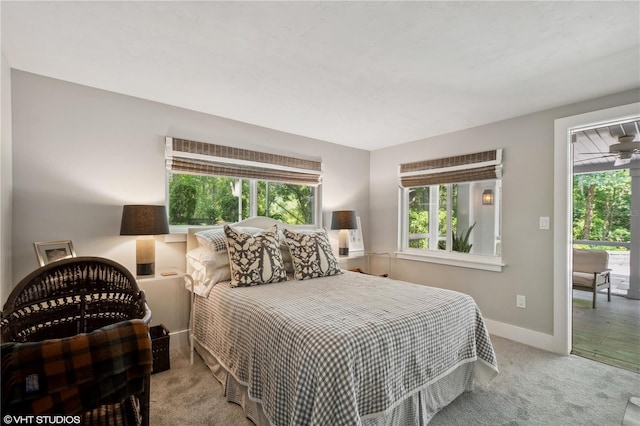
x: 417, y: 409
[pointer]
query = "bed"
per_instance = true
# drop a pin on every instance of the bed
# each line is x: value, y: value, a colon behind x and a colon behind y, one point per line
x: 333, y: 348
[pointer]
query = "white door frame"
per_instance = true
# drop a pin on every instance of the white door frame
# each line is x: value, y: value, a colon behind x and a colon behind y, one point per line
x: 562, y: 210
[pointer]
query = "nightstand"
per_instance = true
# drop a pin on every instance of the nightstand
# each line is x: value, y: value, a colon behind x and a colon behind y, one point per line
x: 361, y: 261
x: 169, y: 301
x: 355, y: 260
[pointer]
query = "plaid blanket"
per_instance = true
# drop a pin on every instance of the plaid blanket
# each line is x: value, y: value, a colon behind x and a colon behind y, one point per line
x: 74, y: 374
x: 343, y: 349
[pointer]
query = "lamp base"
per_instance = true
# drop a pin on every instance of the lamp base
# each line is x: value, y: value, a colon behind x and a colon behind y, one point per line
x: 145, y: 269
x: 343, y: 242
x: 145, y: 255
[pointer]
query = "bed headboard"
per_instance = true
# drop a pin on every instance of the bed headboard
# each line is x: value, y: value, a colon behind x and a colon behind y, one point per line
x: 257, y: 222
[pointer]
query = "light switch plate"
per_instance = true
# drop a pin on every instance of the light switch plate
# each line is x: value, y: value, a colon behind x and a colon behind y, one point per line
x: 544, y: 222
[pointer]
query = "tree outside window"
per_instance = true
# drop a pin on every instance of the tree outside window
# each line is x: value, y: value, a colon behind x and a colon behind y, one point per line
x: 602, y: 207
x: 209, y: 200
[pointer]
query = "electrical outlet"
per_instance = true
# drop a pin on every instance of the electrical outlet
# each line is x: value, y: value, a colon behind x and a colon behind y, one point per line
x: 521, y: 301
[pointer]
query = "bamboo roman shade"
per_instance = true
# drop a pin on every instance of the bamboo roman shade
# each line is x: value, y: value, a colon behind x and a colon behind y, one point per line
x: 461, y: 168
x: 185, y: 156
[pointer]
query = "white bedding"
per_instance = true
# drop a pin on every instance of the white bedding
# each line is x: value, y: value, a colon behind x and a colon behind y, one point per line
x: 341, y: 349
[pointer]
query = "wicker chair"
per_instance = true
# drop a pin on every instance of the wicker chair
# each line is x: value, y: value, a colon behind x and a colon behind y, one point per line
x: 78, y: 309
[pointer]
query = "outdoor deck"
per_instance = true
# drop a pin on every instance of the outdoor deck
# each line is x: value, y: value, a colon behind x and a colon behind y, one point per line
x: 609, y: 333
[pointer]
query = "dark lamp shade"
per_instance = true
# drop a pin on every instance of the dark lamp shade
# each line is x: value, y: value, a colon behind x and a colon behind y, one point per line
x: 343, y: 219
x: 144, y: 220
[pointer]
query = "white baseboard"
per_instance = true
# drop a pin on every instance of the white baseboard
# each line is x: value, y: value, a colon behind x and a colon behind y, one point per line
x: 521, y: 335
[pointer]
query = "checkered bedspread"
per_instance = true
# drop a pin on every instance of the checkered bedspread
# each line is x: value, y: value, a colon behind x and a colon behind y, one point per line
x: 339, y: 349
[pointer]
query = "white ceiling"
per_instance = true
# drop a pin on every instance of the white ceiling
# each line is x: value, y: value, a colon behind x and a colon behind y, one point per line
x: 362, y: 74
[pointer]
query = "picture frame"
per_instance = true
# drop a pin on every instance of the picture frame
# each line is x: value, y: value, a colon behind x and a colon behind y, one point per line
x: 51, y: 251
x: 356, y: 242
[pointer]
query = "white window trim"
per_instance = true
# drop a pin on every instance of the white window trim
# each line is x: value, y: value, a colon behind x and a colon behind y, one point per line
x: 464, y: 260
x: 253, y: 208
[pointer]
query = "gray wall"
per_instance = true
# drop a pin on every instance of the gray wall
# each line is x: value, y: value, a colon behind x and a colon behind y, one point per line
x: 80, y: 153
x: 527, y: 194
x: 5, y: 180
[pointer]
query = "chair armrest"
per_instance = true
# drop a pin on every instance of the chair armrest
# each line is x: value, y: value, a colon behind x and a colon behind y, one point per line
x: 147, y: 314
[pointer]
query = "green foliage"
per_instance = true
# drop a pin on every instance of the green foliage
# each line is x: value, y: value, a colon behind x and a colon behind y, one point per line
x: 419, y: 217
x: 602, y: 206
x: 288, y: 203
x: 459, y: 242
x: 418, y: 224
x: 206, y: 200
x: 183, y: 201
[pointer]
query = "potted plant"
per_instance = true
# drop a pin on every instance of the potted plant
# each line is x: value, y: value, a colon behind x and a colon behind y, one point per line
x: 459, y: 242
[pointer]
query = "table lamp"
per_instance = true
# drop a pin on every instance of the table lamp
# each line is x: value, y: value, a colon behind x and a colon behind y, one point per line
x: 343, y: 220
x: 144, y: 221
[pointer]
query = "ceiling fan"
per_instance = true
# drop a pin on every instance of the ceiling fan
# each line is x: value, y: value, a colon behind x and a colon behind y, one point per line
x: 624, y: 150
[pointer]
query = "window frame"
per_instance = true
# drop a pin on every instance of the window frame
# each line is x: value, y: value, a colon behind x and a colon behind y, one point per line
x: 445, y: 257
x: 184, y: 156
x: 253, y: 202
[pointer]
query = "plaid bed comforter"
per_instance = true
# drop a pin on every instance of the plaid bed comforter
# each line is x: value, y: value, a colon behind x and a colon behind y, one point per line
x: 73, y: 374
x: 336, y: 350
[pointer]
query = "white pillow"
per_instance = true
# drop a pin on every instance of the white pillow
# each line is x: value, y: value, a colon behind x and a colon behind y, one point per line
x: 210, y: 265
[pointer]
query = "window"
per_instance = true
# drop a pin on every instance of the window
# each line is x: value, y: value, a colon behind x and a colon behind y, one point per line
x: 210, y: 184
x: 450, y: 210
x: 207, y: 200
x: 289, y: 203
x: 602, y: 209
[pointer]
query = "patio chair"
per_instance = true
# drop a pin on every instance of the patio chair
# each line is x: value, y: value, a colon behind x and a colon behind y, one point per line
x: 75, y: 341
x: 591, y: 272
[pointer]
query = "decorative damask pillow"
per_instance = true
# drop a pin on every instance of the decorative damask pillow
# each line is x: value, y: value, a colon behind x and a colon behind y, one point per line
x: 312, y: 255
x: 254, y: 259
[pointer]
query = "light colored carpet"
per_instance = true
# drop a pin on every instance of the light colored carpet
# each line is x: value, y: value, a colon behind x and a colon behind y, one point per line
x: 632, y: 413
x: 534, y: 387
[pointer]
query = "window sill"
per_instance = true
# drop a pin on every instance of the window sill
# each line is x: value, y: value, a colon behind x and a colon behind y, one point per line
x: 486, y: 263
x: 184, y: 229
x: 175, y: 237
